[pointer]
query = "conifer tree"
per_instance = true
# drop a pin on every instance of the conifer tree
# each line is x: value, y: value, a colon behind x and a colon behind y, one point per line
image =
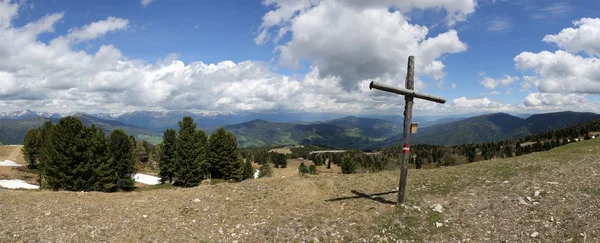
x: 167, y: 162
x: 246, y: 171
x: 31, y: 148
x: 44, y: 150
x: 223, y: 155
x: 95, y: 154
x: 122, y: 159
x: 264, y: 170
x: 302, y: 168
x: 201, y: 141
x: 188, y: 171
x: 312, y: 169
x: 65, y: 153
x: 348, y: 166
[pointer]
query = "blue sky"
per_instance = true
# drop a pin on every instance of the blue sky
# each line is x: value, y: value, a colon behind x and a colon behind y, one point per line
x: 159, y: 55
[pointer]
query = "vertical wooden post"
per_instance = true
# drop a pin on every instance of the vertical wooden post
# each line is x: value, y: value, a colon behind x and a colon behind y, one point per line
x: 405, y: 156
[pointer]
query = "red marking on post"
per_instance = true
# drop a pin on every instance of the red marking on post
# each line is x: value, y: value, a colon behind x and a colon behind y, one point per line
x: 406, y: 149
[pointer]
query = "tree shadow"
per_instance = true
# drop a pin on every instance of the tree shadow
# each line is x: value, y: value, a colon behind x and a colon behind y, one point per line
x: 373, y: 197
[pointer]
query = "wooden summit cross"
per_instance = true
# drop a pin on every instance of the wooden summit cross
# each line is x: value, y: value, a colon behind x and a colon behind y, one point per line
x: 409, y: 93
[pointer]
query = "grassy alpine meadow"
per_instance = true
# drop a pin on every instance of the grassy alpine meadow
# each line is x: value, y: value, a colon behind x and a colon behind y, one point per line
x: 548, y: 196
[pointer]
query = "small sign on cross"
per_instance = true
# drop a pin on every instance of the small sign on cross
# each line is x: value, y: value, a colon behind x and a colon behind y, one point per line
x: 408, y: 94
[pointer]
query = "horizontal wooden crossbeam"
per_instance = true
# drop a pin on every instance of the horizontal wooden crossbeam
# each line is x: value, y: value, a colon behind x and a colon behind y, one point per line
x: 406, y: 92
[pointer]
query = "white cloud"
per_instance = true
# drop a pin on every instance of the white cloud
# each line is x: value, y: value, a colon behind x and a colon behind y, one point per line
x: 464, y: 102
x: 565, y: 71
x: 357, y: 40
x: 490, y: 83
x: 494, y: 92
x: 8, y: 11
x: 97, y: 29
x: 561, y: 72
x: 55, y: 76
x: 554, y: 10
x: 145, y: 3
x: 583, y: 38
x: 546, y: 99
x: 499, y: 25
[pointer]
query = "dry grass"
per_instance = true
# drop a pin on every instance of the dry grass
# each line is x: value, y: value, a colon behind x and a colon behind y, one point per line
x: 13, y: 153
x: 284, y: 150
x: 480, y: 204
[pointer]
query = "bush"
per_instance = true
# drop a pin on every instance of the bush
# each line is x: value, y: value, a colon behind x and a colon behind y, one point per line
x: 312, y: 169
x: 348, y: 166
x: 302, y: 168
x: 265, y: 170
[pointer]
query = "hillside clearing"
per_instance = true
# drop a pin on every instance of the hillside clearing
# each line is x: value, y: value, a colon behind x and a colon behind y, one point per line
x: 551, y: 195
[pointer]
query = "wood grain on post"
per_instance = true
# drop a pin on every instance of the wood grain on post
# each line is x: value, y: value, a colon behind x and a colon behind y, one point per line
x: 405, y: 155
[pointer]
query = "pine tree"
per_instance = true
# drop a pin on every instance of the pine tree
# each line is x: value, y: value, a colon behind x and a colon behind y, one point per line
x: 31, y: 148
x: 264, y: 170
x: 348, y: 166
x: 44, y: 151
x: 223, y: 154
x: 312, y: 169
x: 188, y: 172
x: 302, y: 168
x: 66, y: 151
x: 201, y: 141
x: 167, y: 163
x: 122, y: 159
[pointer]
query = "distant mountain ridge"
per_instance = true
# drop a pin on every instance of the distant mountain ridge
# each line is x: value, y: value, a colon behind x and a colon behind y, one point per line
x: 493, y: 127
x: 279, y: 129
x: 347, y: 132
x: 12, y: 131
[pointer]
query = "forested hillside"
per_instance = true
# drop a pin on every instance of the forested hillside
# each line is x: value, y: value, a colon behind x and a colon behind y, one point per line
x: 349, y: 132
x: 492, y: 127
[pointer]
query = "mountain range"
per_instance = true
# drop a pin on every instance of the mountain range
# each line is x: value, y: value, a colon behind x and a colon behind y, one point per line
x: 262, y: 129
x: 492, y: 127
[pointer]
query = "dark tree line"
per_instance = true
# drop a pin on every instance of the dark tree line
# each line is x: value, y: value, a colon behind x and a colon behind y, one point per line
x: 74, y: 157
x: 188, y: 156
x: 468, y: 153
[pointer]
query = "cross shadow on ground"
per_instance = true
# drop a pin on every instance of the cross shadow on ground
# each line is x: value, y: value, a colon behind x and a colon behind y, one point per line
x: 373, y: 197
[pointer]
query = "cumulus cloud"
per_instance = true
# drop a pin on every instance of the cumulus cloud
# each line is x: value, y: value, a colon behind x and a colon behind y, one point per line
x: 564, y: 71
x: 464, y: 102
x: 546, y: 99
x: 490, y: 83
x: 561, y: 72
x: 357, y: 40
x: 55, y: 76
x: 583, y: 38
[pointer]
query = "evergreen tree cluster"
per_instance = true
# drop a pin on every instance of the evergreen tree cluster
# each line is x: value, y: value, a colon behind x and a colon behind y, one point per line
x: 188, y: 156
x: 74, y: 157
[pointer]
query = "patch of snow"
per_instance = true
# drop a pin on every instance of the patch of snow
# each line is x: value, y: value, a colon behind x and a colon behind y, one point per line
x: 17, y: 184
x: 9, y: 163
x: 146, y: 179
x: 256, y: 172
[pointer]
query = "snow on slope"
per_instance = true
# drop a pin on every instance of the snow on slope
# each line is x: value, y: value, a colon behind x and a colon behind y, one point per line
x: 9, y: 163
x: 146, y: 179
x: 17, y: 184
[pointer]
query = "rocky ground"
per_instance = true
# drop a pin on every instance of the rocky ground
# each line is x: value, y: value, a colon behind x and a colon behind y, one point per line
x: 543, y: 197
